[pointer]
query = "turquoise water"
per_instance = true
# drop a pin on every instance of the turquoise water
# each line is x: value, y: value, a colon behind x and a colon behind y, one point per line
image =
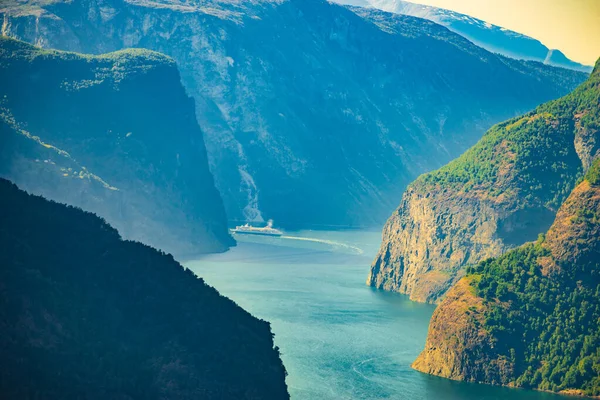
x: 339, y: 338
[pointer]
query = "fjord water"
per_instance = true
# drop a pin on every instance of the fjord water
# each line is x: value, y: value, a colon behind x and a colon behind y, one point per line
x: 339, y: 338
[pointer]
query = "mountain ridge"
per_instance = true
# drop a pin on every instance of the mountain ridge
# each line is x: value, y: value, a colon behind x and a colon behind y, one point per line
x: 489, y: 36
x: 322, y: 92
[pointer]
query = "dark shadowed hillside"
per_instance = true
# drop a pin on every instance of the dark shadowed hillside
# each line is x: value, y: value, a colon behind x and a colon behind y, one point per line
x: 87, y: 315
x: 114, y: 134
x: 314, y: 114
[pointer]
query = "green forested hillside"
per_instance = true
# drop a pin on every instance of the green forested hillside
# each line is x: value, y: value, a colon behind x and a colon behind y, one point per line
x: 87, y: 315
x: 544, y: 299
x: 533, y: 154
x: 532, y: 316
x: 500, y: 194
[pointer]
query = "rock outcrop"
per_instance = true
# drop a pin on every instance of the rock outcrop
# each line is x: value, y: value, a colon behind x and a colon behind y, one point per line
x: 313, y: 114
x: 501, y: 193
x: 458, y: 347
x: 531, y: 317
x: 113, y: 134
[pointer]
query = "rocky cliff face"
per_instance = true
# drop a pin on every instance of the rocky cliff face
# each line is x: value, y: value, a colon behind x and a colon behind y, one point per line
x: 430, y: 238
x: 114, y: 134
x: 529, y: 318
x: 501, y: 193
x: 458, y: 347
x: 86, y: 314
x: 313, y: 113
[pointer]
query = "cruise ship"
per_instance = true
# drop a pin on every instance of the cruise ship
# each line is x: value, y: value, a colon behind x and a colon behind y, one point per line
x: 247, y: 229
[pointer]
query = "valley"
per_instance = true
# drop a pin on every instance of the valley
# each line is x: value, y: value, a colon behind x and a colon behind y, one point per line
x: 304, y: 97
x: 193, y: 193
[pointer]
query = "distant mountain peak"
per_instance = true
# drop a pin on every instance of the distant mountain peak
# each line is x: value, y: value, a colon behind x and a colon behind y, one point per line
x: 484, y: 34
x: 555, y: 56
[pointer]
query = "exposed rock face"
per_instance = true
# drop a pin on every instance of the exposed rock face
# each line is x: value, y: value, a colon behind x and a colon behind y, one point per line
x: 458, y: 347
x: 500, y: 194
x: 86, y: 314
x: 529, y: 318
x: 313, y: 113
x: 114, y: 134
x: 575, y: 234
x: 426, y: 244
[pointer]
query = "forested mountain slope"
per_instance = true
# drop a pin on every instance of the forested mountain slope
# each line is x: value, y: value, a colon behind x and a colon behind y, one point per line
x: 529, y: 318
x: 313, y: 114
x: 501, y: 193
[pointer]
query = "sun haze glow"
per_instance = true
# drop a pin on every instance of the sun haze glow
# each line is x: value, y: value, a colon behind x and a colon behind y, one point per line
x: 572, y: 26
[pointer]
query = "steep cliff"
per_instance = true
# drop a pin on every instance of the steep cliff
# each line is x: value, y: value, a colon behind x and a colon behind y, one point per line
x: 530, y: 318
x: 313, y: 113
x: 87, y: 315
x: 501, y: 193
x: 114, y: 134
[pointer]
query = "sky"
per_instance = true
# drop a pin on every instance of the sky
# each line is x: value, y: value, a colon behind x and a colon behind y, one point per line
x: 572, y: 26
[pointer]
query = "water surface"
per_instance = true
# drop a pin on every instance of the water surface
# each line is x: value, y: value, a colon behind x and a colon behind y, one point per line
x: 339, y: 338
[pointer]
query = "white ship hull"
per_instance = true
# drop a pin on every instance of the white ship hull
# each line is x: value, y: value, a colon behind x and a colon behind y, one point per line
x: 241, y: 232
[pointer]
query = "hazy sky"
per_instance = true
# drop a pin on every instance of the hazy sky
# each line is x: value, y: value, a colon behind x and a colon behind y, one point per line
x: 572, y: 26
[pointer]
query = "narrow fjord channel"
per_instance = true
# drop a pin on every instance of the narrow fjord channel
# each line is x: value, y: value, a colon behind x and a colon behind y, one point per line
x: 339, y: 338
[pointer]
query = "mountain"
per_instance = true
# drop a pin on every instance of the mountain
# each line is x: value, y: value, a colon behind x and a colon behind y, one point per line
x: 491, y: 37
x: 529, y: 318
x: 501, y: 193
x: 114, y: 134
x: 85, y: 314
x: 313, y: 114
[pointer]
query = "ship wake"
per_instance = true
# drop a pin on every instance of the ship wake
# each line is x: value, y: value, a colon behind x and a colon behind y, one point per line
x: 333, y: 243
